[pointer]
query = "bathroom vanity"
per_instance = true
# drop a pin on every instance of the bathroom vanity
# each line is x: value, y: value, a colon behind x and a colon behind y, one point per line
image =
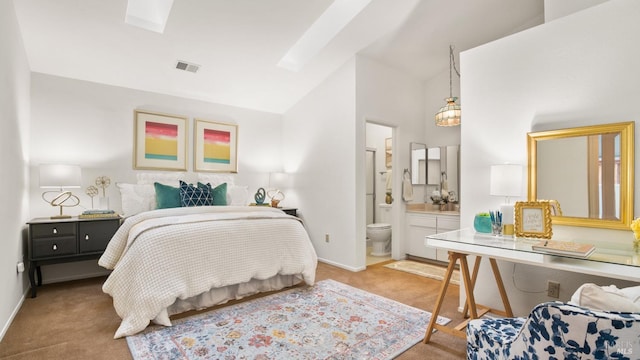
x: 433, y: 169
x: 422, y: 220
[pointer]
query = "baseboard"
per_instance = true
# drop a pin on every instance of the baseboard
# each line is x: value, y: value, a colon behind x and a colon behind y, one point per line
x: 6, y: 326
x: 354, y: 269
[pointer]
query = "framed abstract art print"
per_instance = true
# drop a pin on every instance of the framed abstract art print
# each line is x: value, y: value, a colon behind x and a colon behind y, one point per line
x: 215, y: 147
x: 160, y: 141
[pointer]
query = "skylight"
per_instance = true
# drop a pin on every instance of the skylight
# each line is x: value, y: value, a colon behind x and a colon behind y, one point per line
x: 148, y: 14
x: 337, y: 16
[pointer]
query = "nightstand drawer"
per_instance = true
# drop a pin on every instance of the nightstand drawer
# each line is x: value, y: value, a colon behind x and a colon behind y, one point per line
x: 95, y: 235
x: 53, y: 230
x: 52, y: 247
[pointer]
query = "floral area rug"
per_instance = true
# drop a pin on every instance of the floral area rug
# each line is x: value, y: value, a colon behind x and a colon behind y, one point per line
x: 426, y: 270
x: 329, y: 320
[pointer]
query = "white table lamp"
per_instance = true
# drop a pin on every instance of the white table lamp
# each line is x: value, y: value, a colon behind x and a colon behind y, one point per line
x: 277, y: 181
x: 506, y: 180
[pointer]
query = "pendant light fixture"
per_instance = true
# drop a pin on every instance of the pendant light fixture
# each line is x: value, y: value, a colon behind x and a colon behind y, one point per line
x: 449, y: 115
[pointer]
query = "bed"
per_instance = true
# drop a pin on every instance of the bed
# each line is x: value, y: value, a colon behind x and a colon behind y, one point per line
x: 168, y: 261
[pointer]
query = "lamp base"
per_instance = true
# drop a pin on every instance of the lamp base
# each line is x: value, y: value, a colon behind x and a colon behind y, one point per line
x: 60, y: 201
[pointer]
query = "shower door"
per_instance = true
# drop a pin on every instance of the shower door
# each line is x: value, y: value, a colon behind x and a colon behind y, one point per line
x: 371, y: 185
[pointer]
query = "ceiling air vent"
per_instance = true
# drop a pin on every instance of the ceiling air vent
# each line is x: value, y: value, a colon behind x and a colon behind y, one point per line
x: 183, y: 65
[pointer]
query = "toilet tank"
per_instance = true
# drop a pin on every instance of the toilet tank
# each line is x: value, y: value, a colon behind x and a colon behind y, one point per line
x: 384, y: 213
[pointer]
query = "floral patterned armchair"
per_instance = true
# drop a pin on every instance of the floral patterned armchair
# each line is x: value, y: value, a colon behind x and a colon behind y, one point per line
x: 556, y: 330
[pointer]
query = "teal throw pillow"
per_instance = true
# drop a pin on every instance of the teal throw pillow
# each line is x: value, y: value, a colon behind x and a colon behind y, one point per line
x: 194, y: 196
x: 219, y: 193
x: 166, y: 196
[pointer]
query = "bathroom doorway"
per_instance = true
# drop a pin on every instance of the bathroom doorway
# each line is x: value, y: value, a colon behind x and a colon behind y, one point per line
x: 379, y: 182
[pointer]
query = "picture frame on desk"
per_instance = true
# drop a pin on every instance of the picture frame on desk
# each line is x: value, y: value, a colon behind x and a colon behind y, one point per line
x: 533, y: 219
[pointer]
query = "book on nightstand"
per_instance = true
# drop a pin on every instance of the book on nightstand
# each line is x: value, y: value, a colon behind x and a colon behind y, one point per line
x: 98, y: 214
x: 563, y: 248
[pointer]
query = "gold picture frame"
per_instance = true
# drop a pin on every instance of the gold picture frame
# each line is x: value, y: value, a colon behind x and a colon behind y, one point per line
x: 160, y: 141
x: 215, y: 146
x: 533, y: 219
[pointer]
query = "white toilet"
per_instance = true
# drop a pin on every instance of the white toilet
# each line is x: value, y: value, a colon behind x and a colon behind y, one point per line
x: 380, y: 233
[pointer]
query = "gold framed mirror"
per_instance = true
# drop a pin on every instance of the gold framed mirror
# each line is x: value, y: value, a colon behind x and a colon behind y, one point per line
x: 589, y: 170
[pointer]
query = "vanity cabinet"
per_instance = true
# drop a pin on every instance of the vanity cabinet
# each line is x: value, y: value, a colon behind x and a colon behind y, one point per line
x: 421, y: 224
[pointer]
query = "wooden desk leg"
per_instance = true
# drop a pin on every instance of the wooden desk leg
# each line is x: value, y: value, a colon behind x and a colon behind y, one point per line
x: 468, y: 287
x: 453, y: 257
x: 474, y: 277
x: 503, y: 293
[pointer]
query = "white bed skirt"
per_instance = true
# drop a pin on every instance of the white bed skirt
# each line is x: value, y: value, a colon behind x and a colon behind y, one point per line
x: 222, y: 295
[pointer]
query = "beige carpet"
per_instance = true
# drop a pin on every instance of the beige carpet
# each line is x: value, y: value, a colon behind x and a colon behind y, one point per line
x: 426, y: 270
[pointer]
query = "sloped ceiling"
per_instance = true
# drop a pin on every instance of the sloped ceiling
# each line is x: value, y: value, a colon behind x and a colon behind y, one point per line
x: 238, y: 43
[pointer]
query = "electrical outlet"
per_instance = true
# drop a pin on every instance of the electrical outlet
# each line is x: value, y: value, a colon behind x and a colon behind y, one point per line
x: 326, y: 237
x: 553, y: 289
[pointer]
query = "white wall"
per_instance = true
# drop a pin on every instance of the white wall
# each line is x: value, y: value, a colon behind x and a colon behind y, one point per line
x: 91, y: 125
x: 14, y: 163
x: 324, y: 143
x: 577, y: 70
x: 318, y: 135
x: 390, y: 97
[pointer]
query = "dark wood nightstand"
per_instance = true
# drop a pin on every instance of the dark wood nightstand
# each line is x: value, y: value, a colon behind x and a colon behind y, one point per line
x: 290, y: 211
x: 53, y: 241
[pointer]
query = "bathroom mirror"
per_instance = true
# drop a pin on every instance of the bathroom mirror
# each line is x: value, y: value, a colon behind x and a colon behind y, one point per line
x: 588, y: 170
x: 443, y: 168
x: 418, y: 158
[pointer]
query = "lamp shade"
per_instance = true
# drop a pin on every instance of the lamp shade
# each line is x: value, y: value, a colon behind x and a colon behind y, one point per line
x: 279, y: 180
x: 56, y: 176
x: 506, y: 180
x: 449, y: 115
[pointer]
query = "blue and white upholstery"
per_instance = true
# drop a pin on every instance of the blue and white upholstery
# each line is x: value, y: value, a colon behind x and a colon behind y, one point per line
x: 556, y: 330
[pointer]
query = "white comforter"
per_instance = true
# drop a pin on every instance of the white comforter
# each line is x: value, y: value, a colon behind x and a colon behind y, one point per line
x: 163, y: 255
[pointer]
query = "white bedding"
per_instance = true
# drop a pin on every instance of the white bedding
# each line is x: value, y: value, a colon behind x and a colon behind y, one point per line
x: 161, y: 256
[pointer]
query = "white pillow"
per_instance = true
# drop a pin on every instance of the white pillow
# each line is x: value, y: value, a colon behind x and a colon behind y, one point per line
x: 604, y: 298
x: 137, y: 198
x: 633, y: 293
x: 169, y: 178
x: 216, y: 179
x: 237, y: 195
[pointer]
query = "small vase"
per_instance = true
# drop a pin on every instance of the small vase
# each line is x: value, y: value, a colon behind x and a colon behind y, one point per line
x: 388, y: 199
x: 482, y: 224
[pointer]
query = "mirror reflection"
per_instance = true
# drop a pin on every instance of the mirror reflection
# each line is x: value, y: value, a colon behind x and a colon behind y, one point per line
x: 588, y: 170
x: 418, y: 157
x: 436, y: 167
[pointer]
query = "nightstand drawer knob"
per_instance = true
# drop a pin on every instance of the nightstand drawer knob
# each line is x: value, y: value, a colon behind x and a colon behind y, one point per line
x: 86, y: 237
x: 55, y: 231
x: 55, y: 247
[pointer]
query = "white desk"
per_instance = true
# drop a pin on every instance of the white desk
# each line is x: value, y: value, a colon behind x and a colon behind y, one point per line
x: 618, y: 264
